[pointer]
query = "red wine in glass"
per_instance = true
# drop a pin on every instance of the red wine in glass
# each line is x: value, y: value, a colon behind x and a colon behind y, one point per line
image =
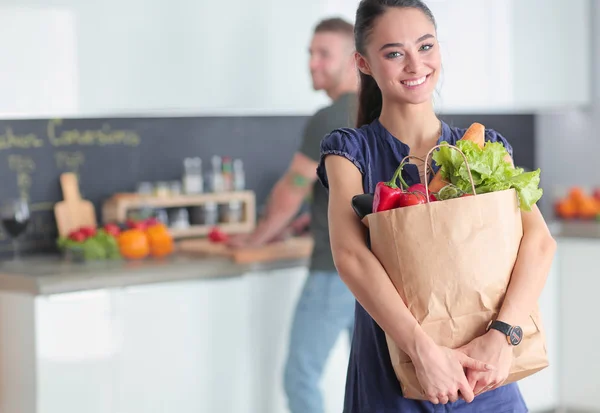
x: 15, y: 219
x: 14, y: 227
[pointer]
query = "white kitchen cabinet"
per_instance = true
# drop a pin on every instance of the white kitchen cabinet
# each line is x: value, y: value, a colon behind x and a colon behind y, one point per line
x: 230, y: 58
x: 184, y: 347
x: 75, y: 359
x: 507, y: 56
x: 541, y: 390
x: 274, y: 296
x: 579, y: 337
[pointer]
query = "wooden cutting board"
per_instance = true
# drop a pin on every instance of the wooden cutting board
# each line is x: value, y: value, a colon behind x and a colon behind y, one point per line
x: 73, y: 212
x: 292, y: 248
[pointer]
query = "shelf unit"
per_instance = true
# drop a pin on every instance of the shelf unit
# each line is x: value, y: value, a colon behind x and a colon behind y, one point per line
x: 115, y: 209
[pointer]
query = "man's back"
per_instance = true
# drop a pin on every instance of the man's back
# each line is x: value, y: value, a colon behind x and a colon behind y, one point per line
x: 341, y: 113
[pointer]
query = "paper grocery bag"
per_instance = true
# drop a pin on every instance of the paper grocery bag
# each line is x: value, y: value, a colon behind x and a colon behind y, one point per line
x: 451, y: 262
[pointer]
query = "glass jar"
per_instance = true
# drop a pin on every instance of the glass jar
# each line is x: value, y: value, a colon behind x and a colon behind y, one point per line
x: 230, y: 212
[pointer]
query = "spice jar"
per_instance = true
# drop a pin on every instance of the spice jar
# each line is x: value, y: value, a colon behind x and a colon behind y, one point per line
x: 209, y: 214
x: 230, y: 212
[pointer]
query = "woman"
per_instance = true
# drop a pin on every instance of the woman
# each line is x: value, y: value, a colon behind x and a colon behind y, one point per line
x: 399, y: 61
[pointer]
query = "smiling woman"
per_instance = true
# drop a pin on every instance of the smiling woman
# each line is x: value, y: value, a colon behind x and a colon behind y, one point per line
x: 398, y: 56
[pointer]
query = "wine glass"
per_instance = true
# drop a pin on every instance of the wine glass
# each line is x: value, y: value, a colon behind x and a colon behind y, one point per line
x: 15, y: 218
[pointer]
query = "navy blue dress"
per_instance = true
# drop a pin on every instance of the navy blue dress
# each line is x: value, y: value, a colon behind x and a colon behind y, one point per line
x: 371, y: 385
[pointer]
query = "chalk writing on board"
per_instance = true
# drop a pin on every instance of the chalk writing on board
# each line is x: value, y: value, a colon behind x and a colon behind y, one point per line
x: 90, y: 137
x: 23, y: 166
x: 10, y: 140
x: 58, y: 137
x: 69, y: 161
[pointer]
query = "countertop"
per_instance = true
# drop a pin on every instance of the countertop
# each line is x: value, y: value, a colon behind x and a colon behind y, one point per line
x: 45, y: 275
x: 575, y: 229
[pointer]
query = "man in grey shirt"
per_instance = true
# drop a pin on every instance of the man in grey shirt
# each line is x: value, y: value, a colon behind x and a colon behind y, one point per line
x: 326, y: 306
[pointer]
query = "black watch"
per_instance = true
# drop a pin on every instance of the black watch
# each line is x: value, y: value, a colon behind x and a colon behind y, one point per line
x: 514, y: 334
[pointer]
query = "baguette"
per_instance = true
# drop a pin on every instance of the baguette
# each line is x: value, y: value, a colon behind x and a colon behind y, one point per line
x: 475, y: 133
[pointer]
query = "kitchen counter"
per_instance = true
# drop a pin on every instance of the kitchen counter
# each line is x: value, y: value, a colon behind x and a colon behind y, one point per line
x: 575, y: 229
x: 45, y: 275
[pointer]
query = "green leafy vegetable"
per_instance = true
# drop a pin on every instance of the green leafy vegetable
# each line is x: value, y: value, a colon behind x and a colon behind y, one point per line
x: 98, y: 247
x: 489, y: 170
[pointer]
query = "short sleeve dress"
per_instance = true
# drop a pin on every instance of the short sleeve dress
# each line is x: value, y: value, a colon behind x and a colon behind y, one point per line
x: 371, y: 385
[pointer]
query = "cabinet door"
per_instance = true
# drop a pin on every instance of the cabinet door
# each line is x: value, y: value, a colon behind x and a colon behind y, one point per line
x: 551, y: 50
x: 463, y: 36
x: 579, y: 338
x: 184, y: 347
x: 541, y: 391
x: 76, y: 345
x: 274, y: 296
x: 512, y: 56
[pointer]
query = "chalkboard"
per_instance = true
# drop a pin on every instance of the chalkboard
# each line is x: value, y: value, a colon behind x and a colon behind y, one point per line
x: 114, y: 155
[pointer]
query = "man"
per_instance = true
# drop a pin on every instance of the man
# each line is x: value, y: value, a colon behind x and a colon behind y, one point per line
x: 326, y: 306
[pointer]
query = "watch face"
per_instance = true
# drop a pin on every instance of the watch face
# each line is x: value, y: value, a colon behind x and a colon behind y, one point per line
x: 516, y: 335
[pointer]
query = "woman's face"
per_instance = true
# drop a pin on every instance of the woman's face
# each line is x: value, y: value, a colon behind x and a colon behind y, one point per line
x: 403, y: 56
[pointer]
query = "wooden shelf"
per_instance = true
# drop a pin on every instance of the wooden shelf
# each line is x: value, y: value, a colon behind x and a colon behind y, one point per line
x: 115, y: 209
x: 203, y: 230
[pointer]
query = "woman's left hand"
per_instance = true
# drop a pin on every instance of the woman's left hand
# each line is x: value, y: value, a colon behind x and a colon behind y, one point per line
x: 494, y: 349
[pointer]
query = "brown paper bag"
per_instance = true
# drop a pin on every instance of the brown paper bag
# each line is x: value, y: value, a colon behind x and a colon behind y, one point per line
x: 451, y: 263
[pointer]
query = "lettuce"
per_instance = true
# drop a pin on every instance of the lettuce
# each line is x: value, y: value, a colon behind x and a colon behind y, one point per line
x: 489, y: 170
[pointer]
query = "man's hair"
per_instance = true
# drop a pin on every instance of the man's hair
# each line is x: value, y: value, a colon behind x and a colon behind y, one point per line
x: 335, y: 25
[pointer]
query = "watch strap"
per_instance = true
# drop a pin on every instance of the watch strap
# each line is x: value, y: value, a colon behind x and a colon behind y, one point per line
x: 501, y: 326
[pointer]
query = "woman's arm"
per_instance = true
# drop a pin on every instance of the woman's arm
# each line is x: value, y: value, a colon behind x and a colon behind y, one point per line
x: 440, y: 370
x: 531, y: 269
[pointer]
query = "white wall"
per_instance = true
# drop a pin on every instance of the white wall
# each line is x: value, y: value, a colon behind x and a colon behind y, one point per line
x: 38, y: 61
x: 145, y: 57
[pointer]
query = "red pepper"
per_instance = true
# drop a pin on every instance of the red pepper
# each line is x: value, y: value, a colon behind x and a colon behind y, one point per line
x: 387, y: 194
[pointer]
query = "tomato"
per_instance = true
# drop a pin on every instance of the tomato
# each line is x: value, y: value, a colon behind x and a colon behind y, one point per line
x: 411, y: 198
x: 421, y: 188
x: 112, y: 229
x: 77, y: 236
x: 88, y: 231
x: 216, y: 235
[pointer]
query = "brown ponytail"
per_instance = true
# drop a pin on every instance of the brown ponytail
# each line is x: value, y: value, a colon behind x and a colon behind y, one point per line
x: 369, y: 101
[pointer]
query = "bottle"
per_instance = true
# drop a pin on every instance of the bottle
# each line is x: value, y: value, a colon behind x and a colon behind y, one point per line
x: 239, y: 178
x: 227, y: 174
x: 199, y: 175
x: 188, y: 176
x: 216, y: 174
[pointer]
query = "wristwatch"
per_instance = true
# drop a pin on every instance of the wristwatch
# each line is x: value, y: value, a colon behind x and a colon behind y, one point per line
x: 514, y: 334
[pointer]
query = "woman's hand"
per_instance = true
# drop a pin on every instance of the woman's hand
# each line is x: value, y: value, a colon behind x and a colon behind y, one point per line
x: 492, y: 348
x: 441, y: 372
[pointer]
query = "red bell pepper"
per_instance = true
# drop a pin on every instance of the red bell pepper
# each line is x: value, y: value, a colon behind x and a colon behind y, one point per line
x: 387, y: 194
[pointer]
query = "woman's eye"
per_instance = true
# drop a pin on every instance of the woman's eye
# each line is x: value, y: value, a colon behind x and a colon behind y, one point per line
x: 426, y: 47
x: 393, y: 55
